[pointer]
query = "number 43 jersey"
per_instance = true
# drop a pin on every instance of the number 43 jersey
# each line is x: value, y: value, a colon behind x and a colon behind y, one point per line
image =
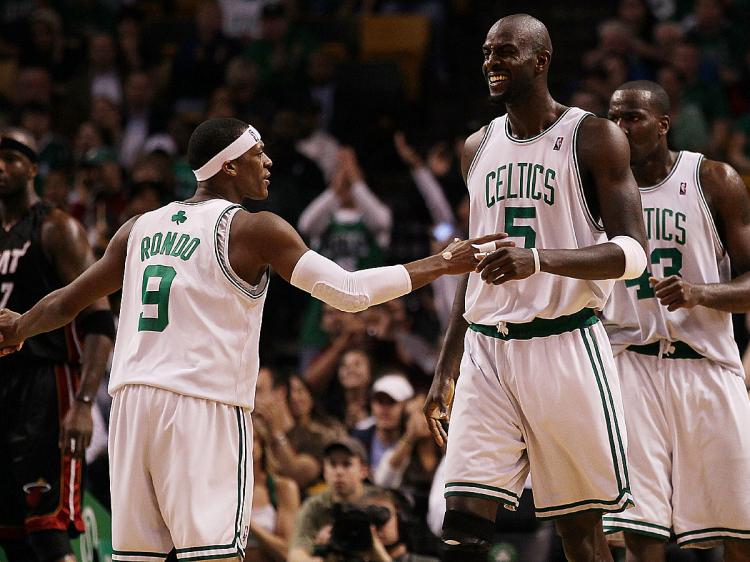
x: 188, y: 323
x: 682, y: 240
x: 532, y: 190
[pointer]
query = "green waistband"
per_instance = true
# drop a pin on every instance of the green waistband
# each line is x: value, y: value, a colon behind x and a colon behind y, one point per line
x: 681, y: 350
x: 539, y: 327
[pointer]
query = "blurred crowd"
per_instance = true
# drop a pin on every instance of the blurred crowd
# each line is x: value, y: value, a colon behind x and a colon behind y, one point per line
x: 365, y: 165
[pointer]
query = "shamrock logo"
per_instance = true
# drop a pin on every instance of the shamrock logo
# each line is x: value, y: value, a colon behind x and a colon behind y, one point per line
x: 179, y: 217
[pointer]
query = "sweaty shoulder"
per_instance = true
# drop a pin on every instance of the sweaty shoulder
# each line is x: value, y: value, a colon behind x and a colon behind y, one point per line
x: 261, y: 225
x: 60, y: 231
x: 261, y: 239
x: 601, y: 141
x: 722, y: 185
x: 470, y: 150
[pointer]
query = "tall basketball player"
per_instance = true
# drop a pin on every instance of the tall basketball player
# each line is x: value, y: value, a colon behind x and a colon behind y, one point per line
x: 47, y: 389
x: 671, y: 329
x: 194, y: 276
x: 538, y: 388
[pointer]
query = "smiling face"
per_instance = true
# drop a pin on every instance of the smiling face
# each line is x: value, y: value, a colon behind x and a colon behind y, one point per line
x: 645, y: 128
x: 514, y: 58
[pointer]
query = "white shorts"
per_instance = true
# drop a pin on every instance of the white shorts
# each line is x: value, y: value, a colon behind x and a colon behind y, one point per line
x: 181, y: 476
x: 690, y: 454
x: 550, y: 404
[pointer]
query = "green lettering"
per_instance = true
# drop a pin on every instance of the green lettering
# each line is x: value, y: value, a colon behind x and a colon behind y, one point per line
x: 490, y: 202
x: 549, y: 197
x: 657, y: 223
x: 509, y: 179
x: 538, y: 169
x: 169, y: 239
x: 498, y: 183
x: 180, y: 245
x: 145, y: 245
x: 156, y: 243
x: 188, y: 251
x: 665, y: 235
x: 648, y: 211
x: 522, y: 167
x: 680, y: 239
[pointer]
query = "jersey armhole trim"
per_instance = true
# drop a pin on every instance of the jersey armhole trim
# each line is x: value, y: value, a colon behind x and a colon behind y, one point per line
x: 597, y: 225
x: 221, y: 246
x: 706, y: 208
x: 130, y: 235
x: 482, y: 146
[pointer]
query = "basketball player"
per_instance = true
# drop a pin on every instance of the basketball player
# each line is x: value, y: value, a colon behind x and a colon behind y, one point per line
x: 194, y: 276
x: 46, y: 390
x: 538, y: 388
x: 671, y: 329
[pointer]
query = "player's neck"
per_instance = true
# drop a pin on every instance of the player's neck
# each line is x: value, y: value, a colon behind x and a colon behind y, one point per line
x: 205, y: 193
x: 14, y: 207
x: 533, y: 115
x: 655, y: 168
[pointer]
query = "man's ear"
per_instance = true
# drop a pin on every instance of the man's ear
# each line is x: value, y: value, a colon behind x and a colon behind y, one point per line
x: 229, y: 168
x: 664, y: 124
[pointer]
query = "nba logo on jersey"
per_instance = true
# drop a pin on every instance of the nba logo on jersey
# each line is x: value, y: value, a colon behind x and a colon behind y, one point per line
x: 683, y: 188
x: 558, y: 143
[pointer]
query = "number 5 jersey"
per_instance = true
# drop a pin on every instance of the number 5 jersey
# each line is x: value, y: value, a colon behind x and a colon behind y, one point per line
x: 532, y: 190
x: 682, y: 240
x: 188, y: 323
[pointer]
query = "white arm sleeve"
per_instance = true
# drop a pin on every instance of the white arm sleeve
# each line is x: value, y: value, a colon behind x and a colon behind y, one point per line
x: 346, y: 290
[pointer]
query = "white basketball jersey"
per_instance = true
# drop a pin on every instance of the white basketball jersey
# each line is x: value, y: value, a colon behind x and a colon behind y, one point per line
x: 532, y: 190
x: 188, y: 323
x: 682, y: 240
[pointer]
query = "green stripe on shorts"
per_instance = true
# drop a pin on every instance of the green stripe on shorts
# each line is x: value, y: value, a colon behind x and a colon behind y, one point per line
x: 613, y: 524
x: 712, y: 534
x: 607, y: 414
x: 613, y: 410
x: 621, y: 503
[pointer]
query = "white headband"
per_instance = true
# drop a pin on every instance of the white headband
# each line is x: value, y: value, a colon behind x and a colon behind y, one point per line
x: 237, y: 148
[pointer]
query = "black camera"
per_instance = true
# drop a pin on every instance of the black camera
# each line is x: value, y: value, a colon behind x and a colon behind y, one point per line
x: 351, y: 537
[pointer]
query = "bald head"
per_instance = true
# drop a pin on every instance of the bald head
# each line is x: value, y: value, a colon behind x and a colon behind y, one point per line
x: 526, y: 28
x: 649, y: 93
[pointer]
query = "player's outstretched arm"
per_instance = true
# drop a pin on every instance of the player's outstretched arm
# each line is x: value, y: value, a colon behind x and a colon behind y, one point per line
x: 265, y: 238
x: 60, y: 307
x: 604, y: 157
x: 729, y: 201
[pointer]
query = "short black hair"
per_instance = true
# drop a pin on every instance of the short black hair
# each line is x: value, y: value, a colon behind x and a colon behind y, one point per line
x: 211, y: 137
x: 659, y: 99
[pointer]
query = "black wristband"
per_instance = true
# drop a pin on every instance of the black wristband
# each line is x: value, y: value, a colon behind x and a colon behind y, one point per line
x: 98, y: 322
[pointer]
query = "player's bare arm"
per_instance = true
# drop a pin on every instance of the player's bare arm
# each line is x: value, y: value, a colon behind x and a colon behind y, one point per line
x: 65, y: 244
x: 61, y: 306
x: 729, y: 202
x: 604, y: 158
x: 438, y: 402
x: 262, y: 239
